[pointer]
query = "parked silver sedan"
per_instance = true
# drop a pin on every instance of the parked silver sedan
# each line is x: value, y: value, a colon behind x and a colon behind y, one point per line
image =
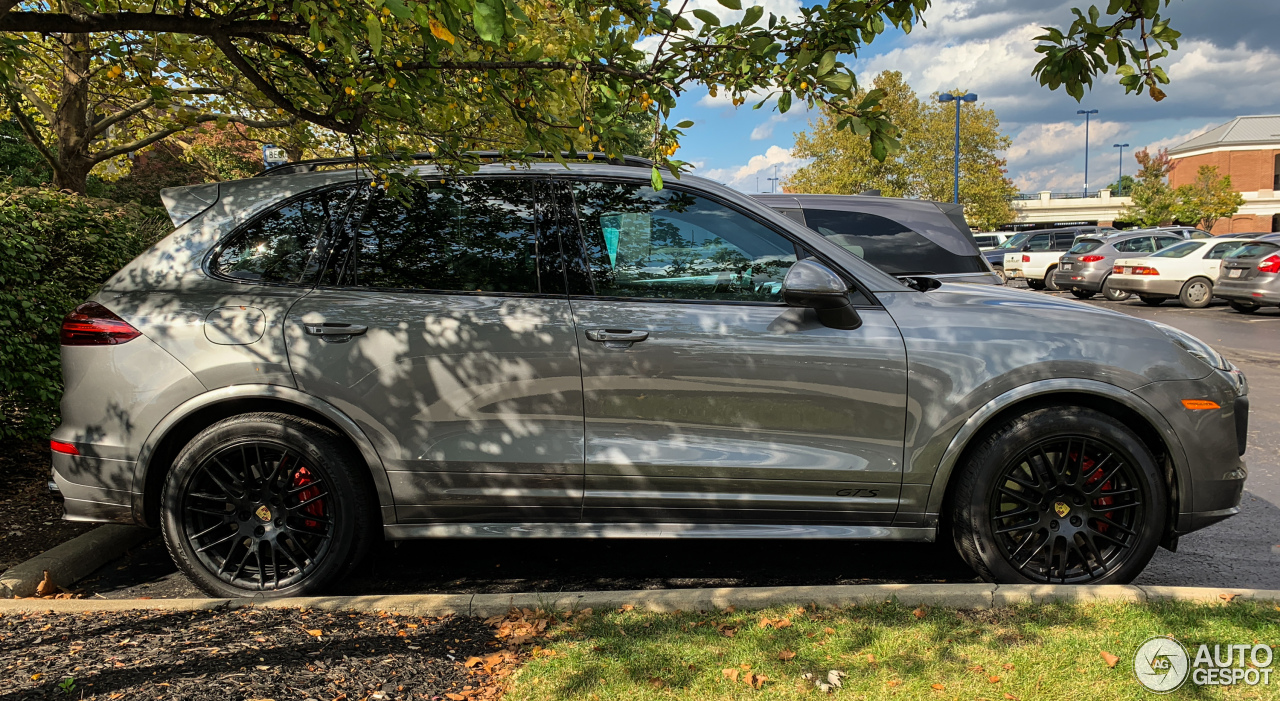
x: 308, y: 363
x: 1251, y: 275
x: 1086, y: 268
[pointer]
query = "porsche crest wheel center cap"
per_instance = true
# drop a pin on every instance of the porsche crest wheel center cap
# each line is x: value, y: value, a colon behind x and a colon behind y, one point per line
x: 1059, y: 507
x: 263, y: 513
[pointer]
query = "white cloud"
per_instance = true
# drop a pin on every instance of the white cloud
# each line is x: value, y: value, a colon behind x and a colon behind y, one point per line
x: 776, y: 161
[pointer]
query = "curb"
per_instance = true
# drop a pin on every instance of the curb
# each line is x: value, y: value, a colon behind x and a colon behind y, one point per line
x: 961, y: 596
x: 73, y: 560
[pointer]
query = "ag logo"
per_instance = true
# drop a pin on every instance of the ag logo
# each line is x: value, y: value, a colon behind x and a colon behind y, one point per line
x: 1061, y: 509
x: 1161, y: 664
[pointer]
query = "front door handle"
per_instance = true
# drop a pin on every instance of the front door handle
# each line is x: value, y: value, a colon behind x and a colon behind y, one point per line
x: 616, y: 338
x: 335, y: 333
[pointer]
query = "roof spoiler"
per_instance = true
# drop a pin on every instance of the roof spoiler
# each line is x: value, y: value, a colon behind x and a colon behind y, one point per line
x: 186, y: 203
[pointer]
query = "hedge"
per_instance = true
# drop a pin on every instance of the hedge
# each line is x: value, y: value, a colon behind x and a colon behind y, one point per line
x: 56, y: 249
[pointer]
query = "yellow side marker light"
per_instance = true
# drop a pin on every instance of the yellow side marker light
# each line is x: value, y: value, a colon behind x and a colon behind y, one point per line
x: 1200, y: 404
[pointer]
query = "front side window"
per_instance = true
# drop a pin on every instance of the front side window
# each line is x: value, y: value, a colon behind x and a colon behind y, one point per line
x: 1181, y: 250
x: 890, y: 246
x: 462, y: 236
x: 284, y: 245
x: 668, y: 244
x: 1040, y: 242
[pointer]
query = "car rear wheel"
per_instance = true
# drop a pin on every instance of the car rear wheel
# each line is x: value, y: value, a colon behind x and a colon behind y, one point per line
x: 1111, y: 293
x: 1243, y: 307
x: 1196, y: 293
x: 1035, y: 284
x: 266, y: 505
x: 1000, y: 271
x: 1152, y: 301
x: 1049, y: 284
x: 1060, y: 495
x: 1082, y: 294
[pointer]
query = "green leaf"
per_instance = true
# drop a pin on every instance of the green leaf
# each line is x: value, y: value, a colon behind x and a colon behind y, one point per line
x: 398, y: 8
x: 488, y: 18
x: 707, y: 17
x: 827, y: 62
x: 731, y: 4
x: 682, y: 22
x: 655, y: 177
x: 784, y: 102
x: 372, y: 24
x: 840, y: 82
x: 753, y: 15
x: 685, y: 124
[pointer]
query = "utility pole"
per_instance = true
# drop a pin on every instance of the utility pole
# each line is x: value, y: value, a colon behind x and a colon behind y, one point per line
x: 948, y: 97
x: 1086, y: 114
x: 1120, y: 175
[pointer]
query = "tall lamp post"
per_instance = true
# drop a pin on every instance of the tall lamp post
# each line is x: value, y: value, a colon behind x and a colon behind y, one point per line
x: 948, y: 97
x: 1120, y: 175
x: 1086, y: 114
x: 773, y: 187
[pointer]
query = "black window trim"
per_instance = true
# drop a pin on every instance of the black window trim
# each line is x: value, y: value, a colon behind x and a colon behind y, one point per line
x: 362, y: 195
x: 853, y: 283
x: 328, y: 239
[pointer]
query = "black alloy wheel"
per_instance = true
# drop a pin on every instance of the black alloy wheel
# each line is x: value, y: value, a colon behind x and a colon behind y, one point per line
x: 1066, y: 510
x: 266, y: 505
x: 260, y: 517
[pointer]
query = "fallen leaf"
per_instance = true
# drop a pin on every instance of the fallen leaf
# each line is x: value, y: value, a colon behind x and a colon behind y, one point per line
x: 993, y: 679
x: 729, y: 609
x: 976, y: 668
x: 919, y: 613
x: 1010, y: 697
x: 656, y: 682
x: 829, y: 631
x: 46, y: 586
x: 731, y: 673
x: 871, y: 659
x: 1225, y: 597
x: 626, y: 607
x: 315, y: 633
x: 894, y: 682
x: 1109, y: 658
x: 786, y: 655
x: 756, y: 680
x: 1007, y: 666
x: 782, y: 623
x: 455, y: 697
x: 938, y: 687
x: 472, y: 661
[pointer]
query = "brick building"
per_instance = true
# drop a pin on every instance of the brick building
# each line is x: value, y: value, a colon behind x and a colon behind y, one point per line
x: 1247, y: 149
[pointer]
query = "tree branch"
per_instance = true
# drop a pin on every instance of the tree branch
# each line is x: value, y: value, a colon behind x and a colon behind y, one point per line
x: 60, y: 23
x: 264, y: 86
x: 6, y: 5
x: 41, y: 106
x: 105, y: 123
x: 170, y: 131
x: 33, y: 134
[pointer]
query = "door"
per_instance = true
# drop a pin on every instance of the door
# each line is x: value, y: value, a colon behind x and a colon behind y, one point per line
x: 444, y: 330
x: 707, y: 399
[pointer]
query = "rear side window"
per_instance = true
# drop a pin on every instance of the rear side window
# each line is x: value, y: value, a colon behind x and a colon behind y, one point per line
x: 646, y: 243
x: 1222, y: 250
x: 888, y: 245
x: 985, y: 240
x: 1198, y: 234
x: 1254, y: 250
x: 1063, y: 240
x: 1181, y: 250
x: 464, y: 236
x: 1086, y: 245
x: 1040, y: 242
x: 284, y: 245
x: 1141, y: 244
x: 1163, y: 241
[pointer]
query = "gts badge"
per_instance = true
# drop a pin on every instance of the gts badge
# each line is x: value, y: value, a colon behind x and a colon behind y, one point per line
x: 859, y: 493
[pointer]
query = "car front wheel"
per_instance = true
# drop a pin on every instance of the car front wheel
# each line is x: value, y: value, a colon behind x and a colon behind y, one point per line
x: 265, y: 505
x: 1049, y: 284
x: 1151, y: 301
x: 1196, y: 293
x: 1082, y: 294
x: 1243, y: 307
x: 1111, y: 293
x: 1060, y: 495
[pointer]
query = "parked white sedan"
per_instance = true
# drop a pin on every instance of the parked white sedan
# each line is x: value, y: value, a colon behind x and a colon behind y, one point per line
x: 1187, y: 271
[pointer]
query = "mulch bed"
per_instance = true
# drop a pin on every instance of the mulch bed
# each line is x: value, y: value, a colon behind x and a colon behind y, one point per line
x: 278, y: 654
x: 32, y: 516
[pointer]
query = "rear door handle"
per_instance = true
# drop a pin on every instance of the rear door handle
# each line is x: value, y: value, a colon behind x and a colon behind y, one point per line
x: 335, y: 333
x: 609, y: 337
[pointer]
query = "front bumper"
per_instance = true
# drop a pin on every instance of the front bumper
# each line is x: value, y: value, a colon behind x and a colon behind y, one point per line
x: 1145, y: 285
x: 1256, y: 291
x: 1087, y: 279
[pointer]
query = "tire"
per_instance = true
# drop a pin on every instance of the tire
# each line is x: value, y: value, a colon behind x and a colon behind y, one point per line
x: 1082, y: 294
x: 1035, y: 284
x: 1196, y: 293
x: 1049, y: 284
x: 1000, y: 271
x: 1112, y: 294
x: 314, y: 519
x: 1152, y: 301
x: 1243, y: 307
x: 1069, y: 541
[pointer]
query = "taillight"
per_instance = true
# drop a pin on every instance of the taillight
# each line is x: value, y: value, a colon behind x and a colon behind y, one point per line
x: 1090, y: 259
x: 92, y: 324
x: 1270, y: 264
x: 1026, y: 258
x: 1144, y: 270
x: 1118, y: 269
x: 64, y: 448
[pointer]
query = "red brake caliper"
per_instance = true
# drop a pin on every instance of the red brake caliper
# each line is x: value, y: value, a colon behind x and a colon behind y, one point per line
x: 301, y: 478
x: 1102, y: 500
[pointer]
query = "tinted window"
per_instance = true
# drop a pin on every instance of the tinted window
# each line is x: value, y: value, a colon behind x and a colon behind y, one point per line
x: 794, y: 215
x: 283, y: 245
x: 985, y: 240
x: 1222, y: 250
x: 1141, y: 244
x: 1162, y: 241
x: 1063, y: 240
x: 1181, y: 250
x: 1253, y: 250
x: 464, y: 236
x: 1040, y: 242
x: 1198, y: 234
x: 1086, y: 245
x: 668, y: 244
x: 888, y: 245
x: 1016, y: 241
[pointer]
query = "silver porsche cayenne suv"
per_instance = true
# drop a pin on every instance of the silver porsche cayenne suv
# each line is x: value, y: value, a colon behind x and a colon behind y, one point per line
x: 308, y: 364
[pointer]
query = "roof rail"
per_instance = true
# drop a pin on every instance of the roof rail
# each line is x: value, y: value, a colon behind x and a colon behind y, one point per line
x: 308, y: 166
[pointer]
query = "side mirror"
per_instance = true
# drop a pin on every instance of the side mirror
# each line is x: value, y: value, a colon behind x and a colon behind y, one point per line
x: 812, y: 285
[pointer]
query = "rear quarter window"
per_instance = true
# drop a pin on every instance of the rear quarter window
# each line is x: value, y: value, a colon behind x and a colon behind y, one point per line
x: 888, y: 245
x: 1254, y: 250
x: 1086, y: 245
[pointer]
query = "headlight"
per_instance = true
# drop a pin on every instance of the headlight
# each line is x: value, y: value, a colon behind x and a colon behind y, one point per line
x: 1194, y: 346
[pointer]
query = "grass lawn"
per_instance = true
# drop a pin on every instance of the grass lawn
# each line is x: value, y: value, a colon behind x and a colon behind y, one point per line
x: 888, y: 652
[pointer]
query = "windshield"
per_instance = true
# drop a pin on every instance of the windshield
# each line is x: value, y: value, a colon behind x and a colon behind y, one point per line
x: 1085, y: 245
x: 1253, y: 250
x: 1181, y: 250
x: 1017, y: 240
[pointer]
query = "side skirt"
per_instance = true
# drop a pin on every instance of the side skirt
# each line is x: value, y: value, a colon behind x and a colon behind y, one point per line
x: 654, y: 530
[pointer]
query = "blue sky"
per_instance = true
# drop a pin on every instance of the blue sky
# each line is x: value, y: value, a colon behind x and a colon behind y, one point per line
x: 1226, y: 66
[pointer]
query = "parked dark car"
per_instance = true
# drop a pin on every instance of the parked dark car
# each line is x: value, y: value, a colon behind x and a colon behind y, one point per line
x: 1086, y: 267
x: 900, y: 236
x: 1251, y: 275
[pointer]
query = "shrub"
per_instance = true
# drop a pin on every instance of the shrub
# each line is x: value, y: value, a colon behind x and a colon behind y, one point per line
x: 56, y: 249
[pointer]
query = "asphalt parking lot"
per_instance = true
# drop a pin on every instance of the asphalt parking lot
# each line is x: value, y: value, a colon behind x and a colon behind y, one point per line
x: 1243, y: 551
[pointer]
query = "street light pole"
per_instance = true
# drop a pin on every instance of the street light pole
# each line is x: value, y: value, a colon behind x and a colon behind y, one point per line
x: 1120, y: 175
x: 773, y: 182
x: 1086, y: 114
x: 948, y: 97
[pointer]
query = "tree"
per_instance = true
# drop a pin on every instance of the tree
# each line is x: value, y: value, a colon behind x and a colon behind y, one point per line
x: 1123, y: 186
x: 1154, y: 202
x: 20, y: 162
x: 842, y: 162
x: 1207, y: 199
